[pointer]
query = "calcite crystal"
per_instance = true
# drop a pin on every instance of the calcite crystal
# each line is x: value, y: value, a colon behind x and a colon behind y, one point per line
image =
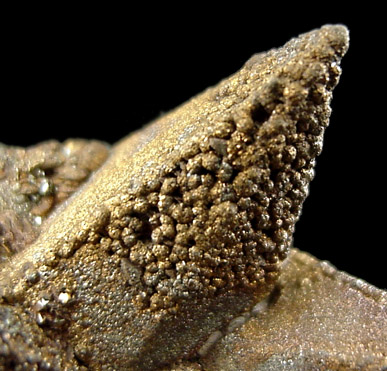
x: 179, y: 244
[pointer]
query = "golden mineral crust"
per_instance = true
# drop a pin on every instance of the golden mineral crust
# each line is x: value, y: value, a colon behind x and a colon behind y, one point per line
x: 173, y: 250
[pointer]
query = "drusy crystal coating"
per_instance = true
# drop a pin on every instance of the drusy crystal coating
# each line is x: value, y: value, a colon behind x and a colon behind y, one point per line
x: 178, y: 240
x: 218, y: 213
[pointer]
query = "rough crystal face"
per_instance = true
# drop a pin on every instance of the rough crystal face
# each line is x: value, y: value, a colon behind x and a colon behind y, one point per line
x: 177, y: 242
x: 221, y: 215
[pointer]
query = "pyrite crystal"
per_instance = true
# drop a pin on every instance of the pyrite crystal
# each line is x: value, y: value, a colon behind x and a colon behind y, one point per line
x: 176, y: 253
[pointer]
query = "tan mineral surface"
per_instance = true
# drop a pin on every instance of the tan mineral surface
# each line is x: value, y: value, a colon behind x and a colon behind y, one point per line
x: 173, y: 249
x: 300, y: 328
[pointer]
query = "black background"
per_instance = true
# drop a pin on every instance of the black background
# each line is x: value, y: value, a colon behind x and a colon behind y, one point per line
x: 100, y: 75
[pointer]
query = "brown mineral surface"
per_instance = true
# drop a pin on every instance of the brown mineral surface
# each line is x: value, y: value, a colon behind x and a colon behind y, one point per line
x: 33, y: 181
x: 176, y: 252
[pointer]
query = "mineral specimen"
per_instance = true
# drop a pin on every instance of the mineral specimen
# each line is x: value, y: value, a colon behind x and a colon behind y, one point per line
x: 175, y: 253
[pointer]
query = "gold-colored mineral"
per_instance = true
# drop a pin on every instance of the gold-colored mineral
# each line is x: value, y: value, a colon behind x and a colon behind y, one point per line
x: 173, y: 250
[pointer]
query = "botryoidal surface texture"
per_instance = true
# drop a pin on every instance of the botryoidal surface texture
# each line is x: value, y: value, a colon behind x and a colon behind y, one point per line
x: 183, y: 228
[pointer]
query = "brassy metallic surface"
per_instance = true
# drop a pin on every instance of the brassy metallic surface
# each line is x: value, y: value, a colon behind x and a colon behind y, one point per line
x: 176, y: 254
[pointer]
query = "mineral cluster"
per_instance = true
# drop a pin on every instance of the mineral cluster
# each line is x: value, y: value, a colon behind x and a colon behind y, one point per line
x: 179, y: 240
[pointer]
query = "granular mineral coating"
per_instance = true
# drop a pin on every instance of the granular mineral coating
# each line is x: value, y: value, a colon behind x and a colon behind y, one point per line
x: 224, y: 178
x: 186, y: 224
